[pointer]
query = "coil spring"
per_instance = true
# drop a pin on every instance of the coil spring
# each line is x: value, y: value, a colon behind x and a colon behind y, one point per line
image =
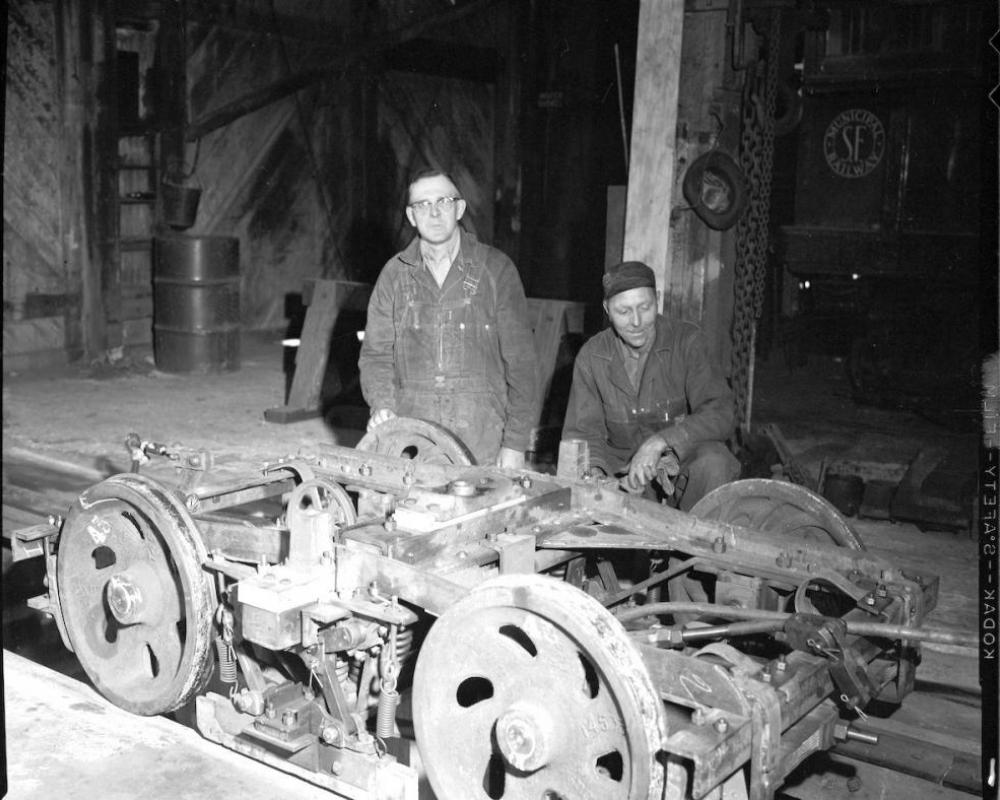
x: 385, y: 719
x: 227, y: 660
x: 348, y: 675
x: 404, y: 643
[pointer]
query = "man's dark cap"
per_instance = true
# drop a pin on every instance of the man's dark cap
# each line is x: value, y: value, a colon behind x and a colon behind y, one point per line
x: 625, y: 276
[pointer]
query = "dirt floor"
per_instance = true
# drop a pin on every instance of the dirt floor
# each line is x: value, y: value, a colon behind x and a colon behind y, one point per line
x: 86, y: 411
x: 81, y: 414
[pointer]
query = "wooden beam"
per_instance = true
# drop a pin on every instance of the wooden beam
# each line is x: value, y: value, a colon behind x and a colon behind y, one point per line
x: 261, y: 97
x: 75, y: 48
x: 465, y: 62
x: 326, y: 299
x: 507, y: 133
x: 654, y: 134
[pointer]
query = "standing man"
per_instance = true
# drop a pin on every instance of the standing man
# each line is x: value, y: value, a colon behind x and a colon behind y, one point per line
x: 448, y: 338
x: 647, y: 398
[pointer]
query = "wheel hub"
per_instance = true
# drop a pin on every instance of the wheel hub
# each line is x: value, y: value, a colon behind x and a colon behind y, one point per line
x: 526, y: 737
x: 124, y: 599
x: 133, y: 596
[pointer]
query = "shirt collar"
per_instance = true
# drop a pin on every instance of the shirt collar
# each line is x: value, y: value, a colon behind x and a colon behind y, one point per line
x: 633, y: 352
x: 449, y: 255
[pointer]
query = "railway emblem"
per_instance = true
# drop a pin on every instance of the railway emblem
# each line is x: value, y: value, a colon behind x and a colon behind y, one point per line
x: 854, y: 143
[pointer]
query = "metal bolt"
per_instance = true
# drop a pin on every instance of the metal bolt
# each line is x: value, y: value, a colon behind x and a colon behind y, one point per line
x: 332, y: 735
x: 782, y: 663
x: 192, y: 501
x: 389, y: 524
x: 526, y: 482
x: 881, y: 591
x: 719, y: 545
x: 766, y: 676
x: 336, y: 767
x: 854, y: 784
x: 289, y: 718
x: 870, y: 600
x: 698, y: 716
x: 721, y: 725
x: 525, y: 737
x: 364, y: 470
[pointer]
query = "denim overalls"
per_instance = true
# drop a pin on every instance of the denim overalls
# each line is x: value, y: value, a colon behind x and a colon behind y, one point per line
x: 442, y: 365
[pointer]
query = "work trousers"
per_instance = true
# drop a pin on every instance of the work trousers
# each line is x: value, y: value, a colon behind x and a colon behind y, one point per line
x: 708, y: 466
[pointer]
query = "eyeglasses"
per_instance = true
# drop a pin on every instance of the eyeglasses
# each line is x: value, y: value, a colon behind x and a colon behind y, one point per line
x: 441, y: 204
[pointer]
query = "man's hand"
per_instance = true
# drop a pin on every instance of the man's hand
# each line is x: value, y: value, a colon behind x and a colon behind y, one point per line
x: 667, y: 469
x: 380, y: 415
x: 508, y: 458
x: 642, y: 467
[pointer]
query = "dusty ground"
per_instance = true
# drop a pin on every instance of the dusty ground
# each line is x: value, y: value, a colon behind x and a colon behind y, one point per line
x: 86, y: 411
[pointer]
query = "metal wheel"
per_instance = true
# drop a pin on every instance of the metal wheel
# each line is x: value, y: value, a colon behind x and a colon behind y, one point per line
x: 136, y: 602
x: 313, y: 497
x: 778, y: 506
x: 528, y: 688
x: 418, y: 439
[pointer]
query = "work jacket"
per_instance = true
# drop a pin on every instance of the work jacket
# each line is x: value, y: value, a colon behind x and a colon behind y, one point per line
x: 681, y: 396
x: 461, y: 355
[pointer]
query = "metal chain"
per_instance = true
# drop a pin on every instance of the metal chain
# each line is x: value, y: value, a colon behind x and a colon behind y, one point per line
x: 752, y: 230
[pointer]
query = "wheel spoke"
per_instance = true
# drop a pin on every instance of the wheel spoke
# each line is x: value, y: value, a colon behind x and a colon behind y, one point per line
x: 568, y: 781
x: 602, y: 726
x: 470, y: 731
x: 155, y: 653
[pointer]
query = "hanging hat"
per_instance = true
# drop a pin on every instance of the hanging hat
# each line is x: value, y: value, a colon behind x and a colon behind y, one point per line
x: 716, y: 189
x: 625, y: 276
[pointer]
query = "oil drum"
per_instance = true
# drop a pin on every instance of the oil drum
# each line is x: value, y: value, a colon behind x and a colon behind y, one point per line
x: 196, y: 304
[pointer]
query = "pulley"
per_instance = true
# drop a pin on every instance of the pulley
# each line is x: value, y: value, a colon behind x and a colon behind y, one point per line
x: 137, y: 605
x: 528, y: 688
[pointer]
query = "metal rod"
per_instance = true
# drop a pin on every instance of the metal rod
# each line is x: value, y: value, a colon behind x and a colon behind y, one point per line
x: 881, y: 629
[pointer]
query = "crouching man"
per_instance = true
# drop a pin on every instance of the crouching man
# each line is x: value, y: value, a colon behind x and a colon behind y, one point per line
x: 647, y: 399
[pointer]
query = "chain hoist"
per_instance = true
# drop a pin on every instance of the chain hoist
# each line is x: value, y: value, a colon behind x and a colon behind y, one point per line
x: 752, y: 230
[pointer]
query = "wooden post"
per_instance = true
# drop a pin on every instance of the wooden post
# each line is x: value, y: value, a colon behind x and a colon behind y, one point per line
x: 325, y: 301
x: 654, y: 132
x: 506, y: 151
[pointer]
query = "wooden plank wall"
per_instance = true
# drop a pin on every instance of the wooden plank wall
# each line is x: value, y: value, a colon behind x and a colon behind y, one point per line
x: 683, y: 107
x: 442, y: 123
x: 276, y: 178
x: 313, y: 184
x: 703, y: 260
x: 35, y: 296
